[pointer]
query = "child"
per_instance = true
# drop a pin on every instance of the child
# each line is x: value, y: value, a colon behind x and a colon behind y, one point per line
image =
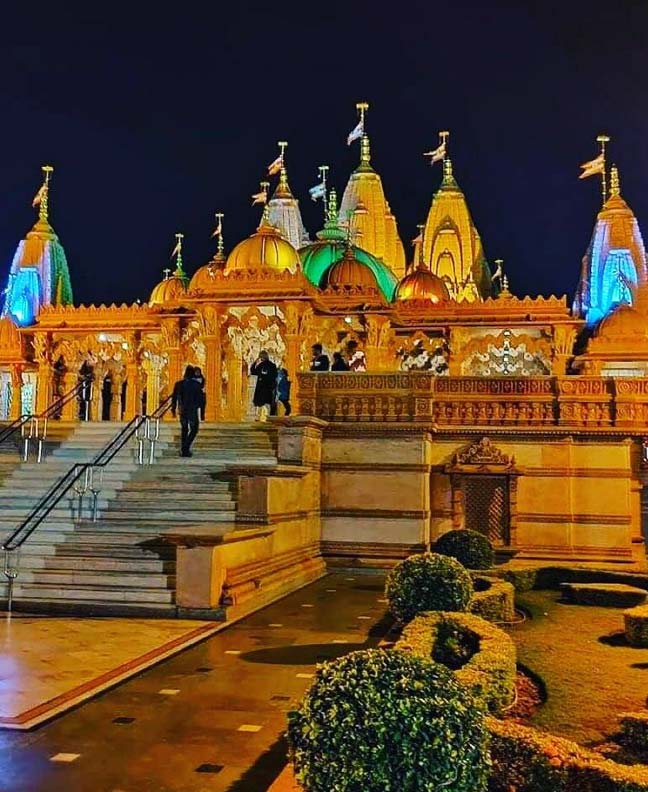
x: 283, y: 389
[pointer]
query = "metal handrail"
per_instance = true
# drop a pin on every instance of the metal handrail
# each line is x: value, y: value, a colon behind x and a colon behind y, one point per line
x: 62, y: 487
x: 48, y: 412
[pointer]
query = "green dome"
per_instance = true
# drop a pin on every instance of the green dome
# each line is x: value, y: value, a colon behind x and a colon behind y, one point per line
x: 319, y: 257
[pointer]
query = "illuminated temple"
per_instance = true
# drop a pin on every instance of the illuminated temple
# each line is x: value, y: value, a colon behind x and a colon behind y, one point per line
x: 517, y: 415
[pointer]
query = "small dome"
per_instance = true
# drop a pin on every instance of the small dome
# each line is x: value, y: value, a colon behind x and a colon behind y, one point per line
x: 203, y: 278
x: 351, y: 272
x: 421, y: 284
x: 266, y: 249
x: 625, y: 321
x: 168, y: 290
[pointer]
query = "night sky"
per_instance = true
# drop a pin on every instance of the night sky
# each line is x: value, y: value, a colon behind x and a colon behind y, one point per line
x: 154, y: 120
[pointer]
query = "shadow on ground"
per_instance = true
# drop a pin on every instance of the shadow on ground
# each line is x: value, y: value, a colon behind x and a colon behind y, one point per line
x: 265, y: 770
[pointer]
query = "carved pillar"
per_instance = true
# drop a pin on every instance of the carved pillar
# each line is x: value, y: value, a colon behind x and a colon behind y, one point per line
x: 133, y: 395
x: 116, y: 396
x: 45, y: 374
x: 152, y: 366
x: 378, y: 348
x: 15, y: 408
x: 564, y: 338
x: 70, y: 411
x: 235, y: 404
x: 213, y: 377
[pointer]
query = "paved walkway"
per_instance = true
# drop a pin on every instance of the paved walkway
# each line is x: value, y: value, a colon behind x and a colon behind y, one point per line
x: 210, y: 718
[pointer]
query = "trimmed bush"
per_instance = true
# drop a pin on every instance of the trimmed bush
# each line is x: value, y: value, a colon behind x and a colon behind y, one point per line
x: 605, y: 595
x: 493, y: 600
x: 483, y: 656
x: 634, y: 731
x: 636, y: 625
x: 425, y: 582
x: 470, y: 548
x: 525, y: 578
x: 527, y: 760
x: 380, y: 719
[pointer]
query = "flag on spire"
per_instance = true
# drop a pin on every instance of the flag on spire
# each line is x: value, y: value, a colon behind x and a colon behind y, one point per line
x: 259, y: 198
x: 438, y: 154
x: 39, y: 195
x: 177, y: 249
x: 218, y: 231
x: 318, y: 191
x: 275, y: 166
x: 593, y: 167
x: 357, y: 132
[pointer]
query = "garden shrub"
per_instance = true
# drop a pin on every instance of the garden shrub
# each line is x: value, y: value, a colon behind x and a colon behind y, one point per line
x: 379, y: 720
x: 425, y: 582
x: 493, y: 600
x: 526, y: 760
x: 605, y: 595
x: 636, y: 625
x: 550, y: 577
x: 634, y: 731
x: 470, y: 548
x: 483, y: 655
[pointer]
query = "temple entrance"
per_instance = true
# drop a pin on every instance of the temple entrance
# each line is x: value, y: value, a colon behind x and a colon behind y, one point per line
x: 486, y: 506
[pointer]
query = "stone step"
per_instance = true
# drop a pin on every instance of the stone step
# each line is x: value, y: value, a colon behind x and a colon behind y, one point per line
x: 105, y: 579
x: 138, y: 563
x: 50, y: 592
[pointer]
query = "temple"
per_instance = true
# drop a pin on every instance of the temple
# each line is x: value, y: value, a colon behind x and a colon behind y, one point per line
x: 520, y: 416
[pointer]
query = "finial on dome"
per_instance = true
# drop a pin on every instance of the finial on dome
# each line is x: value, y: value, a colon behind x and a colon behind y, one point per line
x: 505, y: 287
x: 615, y: 186
x: 418, y: 247
x: 177, y: 252
x: 218, y: 233
x: 332, y: 209
x: 365, y: 147
x: 447, y: 170
x: 41, y: 199
x: 283, y: 188
x: 167, y: 273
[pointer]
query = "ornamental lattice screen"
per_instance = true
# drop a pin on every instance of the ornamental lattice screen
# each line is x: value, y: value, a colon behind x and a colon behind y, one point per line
x: 486, y: 506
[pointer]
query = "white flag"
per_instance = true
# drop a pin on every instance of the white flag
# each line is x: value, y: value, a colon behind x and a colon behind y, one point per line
x: 437, y: 155
x: 592, y: 167
x: 276, y: 166
x: 356, y: 133
x: 260, y: 197
x: 176, y: 250
x: 498, y: 273
x: 218, y: 230
x: 318, y: 191
x: 39, y: 196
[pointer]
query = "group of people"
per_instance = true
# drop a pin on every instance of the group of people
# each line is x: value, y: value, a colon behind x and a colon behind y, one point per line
x: 272, y: 388
x: 353, y: 361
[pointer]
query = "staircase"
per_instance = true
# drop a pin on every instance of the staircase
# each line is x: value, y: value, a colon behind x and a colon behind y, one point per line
x: 11, y: 449
x: 119, y: 564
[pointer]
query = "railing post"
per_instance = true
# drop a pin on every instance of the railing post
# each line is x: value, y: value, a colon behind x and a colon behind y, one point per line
x: 11, y: 573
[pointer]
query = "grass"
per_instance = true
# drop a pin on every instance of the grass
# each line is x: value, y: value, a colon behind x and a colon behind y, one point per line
x: 591, y: 674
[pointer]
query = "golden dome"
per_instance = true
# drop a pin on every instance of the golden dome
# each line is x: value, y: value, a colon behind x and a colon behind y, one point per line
x: 203, y: 278
x: 421, y: 284
x: 349, y: 272
x: 266, y: 249
x: 168, y: 290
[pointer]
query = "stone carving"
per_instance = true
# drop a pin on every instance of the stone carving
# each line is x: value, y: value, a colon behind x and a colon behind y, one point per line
x: 481, y: 453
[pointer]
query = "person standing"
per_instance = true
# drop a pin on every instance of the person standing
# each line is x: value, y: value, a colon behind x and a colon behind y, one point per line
x: 187, y: 399
x: 264, y: 392
x: 283, y: 390
x: 198, y: 376
x: 357, y: 359
x: 320, y: 361
x: 339, y: 363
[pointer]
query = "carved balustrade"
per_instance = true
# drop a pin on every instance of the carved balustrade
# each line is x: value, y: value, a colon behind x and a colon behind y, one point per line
x: 578, y: 402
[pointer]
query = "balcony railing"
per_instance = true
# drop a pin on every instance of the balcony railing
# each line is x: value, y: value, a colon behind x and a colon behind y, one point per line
x: 582, y: 402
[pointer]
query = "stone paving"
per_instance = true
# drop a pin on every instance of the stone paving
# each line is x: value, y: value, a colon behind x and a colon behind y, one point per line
x: 210, y: 718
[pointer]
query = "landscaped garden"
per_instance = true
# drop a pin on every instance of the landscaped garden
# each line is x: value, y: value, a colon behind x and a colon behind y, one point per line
x: 484, y: 687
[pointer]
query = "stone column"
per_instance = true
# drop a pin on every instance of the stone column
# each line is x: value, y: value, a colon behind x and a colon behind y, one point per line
x: 15, y: 409
x: 153, y: 369
x: 44, y: 386
x: 115, y: 396
x: 133, y: 395
x: 70, y: 411
x: 213, y: 377
x: 235, y: 405
x: 377, y: 348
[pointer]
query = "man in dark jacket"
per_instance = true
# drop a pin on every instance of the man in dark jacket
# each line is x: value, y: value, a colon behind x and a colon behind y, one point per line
x: 188, y: 399
x: 264, y: 391
x: 320, y: 361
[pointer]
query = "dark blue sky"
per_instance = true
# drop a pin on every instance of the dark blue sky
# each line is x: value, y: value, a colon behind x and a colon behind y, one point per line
x: 154, y: 120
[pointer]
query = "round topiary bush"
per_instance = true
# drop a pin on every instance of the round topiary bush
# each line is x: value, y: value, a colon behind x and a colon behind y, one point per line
x: 470, y: 548
x: 425, y: 582
x: 380, y: 719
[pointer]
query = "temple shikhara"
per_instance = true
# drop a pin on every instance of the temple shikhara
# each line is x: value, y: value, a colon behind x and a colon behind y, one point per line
x: 469, y: 405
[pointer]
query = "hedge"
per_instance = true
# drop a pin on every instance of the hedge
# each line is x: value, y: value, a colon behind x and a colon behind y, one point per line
x: 425, y: 582
x: 493, y: 600
x: 604, y: 595
x: 470, y: 548
x: 527, y: 760
x: 379, y: 719
x: 634, y: 731
x: 550, y: 577
x: 636, y: 625
x: 489, y: 673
